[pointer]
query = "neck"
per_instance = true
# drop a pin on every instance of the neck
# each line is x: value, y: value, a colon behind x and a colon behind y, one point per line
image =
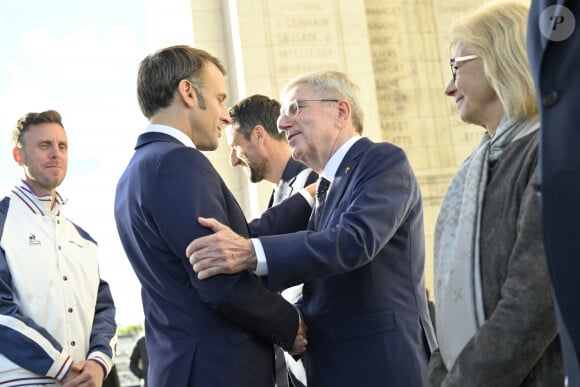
x: 172, y: 118
x: 342, y: 136
x: 495, y: 117
x: 52, y: 200
x: 279, y: 156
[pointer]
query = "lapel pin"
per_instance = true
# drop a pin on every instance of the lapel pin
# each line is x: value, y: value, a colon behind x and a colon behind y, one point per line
x: 347, y: 169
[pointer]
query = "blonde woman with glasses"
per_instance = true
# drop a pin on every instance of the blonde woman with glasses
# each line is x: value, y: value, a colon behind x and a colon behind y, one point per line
x: 495, y: 318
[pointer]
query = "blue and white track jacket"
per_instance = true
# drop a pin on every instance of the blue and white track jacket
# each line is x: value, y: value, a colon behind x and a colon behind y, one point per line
x: 54, y: 309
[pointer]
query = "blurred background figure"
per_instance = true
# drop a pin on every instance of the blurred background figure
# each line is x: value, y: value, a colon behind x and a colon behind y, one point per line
x: 139, y: 360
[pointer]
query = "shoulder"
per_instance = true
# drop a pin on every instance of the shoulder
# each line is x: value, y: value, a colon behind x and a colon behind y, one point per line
x: 382, y: 155
x: 384, y: 163
x: 164, y: 148
x: 367, y: 147
x: 170, y: 160
x: 518, y: 164
x: 523, y: 151
x: 386, y: 148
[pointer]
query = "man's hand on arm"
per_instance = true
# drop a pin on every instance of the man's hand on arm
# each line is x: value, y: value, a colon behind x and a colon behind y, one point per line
x: 223, y: 252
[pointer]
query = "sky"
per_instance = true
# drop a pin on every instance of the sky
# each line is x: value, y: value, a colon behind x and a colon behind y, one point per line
x: 81, y: 59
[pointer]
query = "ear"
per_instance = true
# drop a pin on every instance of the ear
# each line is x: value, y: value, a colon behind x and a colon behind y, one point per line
x: 17, y: 154
x: 344, y: 113
x: 260, y: 132
x: 187, y: 93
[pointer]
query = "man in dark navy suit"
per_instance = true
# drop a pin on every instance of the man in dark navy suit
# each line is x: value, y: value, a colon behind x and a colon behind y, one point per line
x: 199, y: 333
x: 361, y: 259
x: 554, y: 53
x: 261, y: 149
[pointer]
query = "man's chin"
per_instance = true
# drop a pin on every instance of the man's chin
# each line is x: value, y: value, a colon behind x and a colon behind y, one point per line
x: 207, y: 147
x: 297, y: 155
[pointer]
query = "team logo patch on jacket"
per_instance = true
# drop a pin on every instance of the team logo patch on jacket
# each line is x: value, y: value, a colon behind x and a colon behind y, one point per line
x: 32, y: 240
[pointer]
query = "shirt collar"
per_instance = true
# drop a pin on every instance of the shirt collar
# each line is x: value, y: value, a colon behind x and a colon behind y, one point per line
x: 38, y: 204
x: 175, y: 133
x: 332, y: 165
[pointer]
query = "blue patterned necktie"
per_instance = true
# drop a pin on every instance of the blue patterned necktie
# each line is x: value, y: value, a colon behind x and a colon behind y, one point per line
x: 321, y: 190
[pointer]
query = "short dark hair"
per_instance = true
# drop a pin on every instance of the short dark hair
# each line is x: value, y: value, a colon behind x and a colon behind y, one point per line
x: 32, y: 119
x: 257, y: 110
x: 160, y: 74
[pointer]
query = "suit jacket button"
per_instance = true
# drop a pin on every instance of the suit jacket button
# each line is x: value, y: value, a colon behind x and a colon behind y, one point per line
x: 550, y: 98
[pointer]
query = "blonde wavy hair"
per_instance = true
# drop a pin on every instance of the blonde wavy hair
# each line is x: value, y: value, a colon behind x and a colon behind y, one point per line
x: 496, y: 32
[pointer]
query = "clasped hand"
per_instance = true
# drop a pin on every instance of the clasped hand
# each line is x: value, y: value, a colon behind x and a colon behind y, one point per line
x: 84, y: 373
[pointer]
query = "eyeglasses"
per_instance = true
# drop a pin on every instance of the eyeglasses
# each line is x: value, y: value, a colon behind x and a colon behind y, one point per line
x: 454, y: 61
x: 295, y: 107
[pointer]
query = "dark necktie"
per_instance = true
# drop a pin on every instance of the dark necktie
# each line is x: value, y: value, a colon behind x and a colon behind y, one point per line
x: 321, y: 190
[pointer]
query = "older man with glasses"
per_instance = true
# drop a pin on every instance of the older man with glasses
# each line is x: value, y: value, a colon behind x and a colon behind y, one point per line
x: 362, y: 257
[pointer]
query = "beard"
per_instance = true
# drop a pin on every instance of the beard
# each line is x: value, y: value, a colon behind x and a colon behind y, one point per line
x: 256, y: 175
x: 256, y: 169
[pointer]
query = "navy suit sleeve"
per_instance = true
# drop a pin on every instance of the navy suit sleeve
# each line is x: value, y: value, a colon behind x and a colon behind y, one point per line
x: 288, y: 216
x: 242, y: 297
x: 377, y: 195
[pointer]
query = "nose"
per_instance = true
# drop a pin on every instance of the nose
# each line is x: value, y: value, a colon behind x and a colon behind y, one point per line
x: 450, y: 89
x: 283, y: 122
x: 226, y: 119
x: 234, y: 159
x: 55, y: 151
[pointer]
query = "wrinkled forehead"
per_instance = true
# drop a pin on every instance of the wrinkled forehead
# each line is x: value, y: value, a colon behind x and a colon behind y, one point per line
x: 297, y: 91
x: 45, y: 131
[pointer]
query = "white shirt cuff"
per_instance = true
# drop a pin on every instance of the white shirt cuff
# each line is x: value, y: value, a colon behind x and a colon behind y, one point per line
x: 261, y: 265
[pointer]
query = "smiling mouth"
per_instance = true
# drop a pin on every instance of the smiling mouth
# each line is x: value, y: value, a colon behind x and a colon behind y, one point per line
x: 291, y: 136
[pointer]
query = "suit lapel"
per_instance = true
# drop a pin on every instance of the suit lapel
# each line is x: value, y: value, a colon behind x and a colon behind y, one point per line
x: 285, y: 186
x: 342, y: 177
x: 289, y: 175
